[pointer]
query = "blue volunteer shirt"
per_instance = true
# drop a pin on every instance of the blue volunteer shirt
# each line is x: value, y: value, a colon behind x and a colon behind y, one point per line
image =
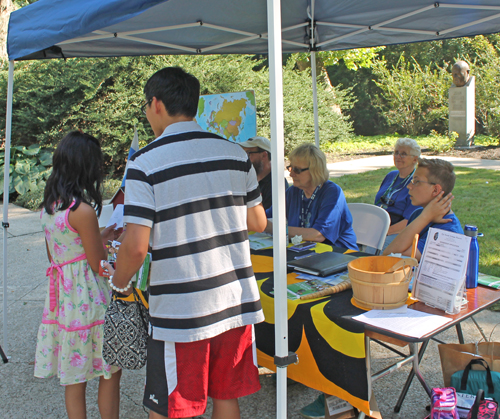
x: 402, y: 202
x: 453, y: 226
x: 328, y: 214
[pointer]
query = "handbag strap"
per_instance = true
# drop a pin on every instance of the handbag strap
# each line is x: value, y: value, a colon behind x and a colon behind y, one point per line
x: 141, y: 306
x: 474, y: 412
x: 465, y: 375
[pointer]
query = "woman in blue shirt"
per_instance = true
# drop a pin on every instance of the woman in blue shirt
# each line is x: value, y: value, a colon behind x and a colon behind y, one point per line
x: 316, y: 208
x: 393, y: 193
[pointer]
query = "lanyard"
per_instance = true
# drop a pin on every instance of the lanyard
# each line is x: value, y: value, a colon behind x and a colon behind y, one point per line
x: 305, y: 213
x: 389, y: 192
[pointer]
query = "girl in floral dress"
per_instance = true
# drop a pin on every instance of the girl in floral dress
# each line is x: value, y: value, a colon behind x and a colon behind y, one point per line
x: 70, y: 337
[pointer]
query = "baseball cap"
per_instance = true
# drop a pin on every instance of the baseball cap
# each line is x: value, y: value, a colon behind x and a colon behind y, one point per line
x: 260, y: 142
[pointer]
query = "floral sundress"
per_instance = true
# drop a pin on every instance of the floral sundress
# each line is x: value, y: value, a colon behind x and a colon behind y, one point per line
x: 70, y: 338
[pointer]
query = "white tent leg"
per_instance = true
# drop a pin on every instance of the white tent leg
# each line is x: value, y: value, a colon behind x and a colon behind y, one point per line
x: 315, y: 97
x: 5, y: 221
x: 278, y: 186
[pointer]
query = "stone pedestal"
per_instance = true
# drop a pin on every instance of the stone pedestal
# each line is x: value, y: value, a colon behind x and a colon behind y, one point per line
x: 462, y: 103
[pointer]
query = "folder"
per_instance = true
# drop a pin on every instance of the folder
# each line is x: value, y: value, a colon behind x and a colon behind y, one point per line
x: 323, y: 264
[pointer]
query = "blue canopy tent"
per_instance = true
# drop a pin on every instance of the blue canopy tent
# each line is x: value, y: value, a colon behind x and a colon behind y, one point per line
x: 103, y: 28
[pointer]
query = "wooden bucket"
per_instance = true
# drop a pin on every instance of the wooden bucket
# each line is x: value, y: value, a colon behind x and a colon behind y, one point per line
x: 374, y: 287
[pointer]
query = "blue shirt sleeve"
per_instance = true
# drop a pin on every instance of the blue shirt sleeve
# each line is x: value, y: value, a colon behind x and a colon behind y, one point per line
x: 329, y: 214
x: 453, y: 226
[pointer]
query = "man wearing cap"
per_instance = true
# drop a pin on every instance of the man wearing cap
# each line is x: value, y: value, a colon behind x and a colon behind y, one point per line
x: 259, y: 153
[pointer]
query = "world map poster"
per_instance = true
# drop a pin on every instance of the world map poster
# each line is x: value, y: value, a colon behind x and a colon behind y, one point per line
x: 231, y: 115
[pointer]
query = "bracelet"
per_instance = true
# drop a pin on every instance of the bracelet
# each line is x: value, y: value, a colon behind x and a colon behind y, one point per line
x: 115, y: 288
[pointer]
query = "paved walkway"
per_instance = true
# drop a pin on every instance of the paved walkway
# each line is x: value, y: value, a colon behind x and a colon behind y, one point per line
x: 23, y: 396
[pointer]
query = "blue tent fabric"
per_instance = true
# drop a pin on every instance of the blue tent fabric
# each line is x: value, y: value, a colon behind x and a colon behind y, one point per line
x: 45, y: 29
x: 47, y: 22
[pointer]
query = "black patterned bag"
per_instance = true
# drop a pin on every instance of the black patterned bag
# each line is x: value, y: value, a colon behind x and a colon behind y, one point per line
x: 126, y: 333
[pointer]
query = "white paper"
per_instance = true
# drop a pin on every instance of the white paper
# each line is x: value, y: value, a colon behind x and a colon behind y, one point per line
x: 403, y: 321
x: 441, y: 273
x: 260, y: 241
x: 116, y: 217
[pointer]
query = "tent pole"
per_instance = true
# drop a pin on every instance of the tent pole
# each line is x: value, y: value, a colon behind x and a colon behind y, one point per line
x: 315, y: 97
x: 278, y: 199
x: 5, y: 221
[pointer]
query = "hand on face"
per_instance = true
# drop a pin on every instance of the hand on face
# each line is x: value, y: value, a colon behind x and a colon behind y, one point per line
x: 435, y: 210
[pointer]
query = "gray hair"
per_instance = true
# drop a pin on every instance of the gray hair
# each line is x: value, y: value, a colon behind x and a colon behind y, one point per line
x: 411, y: 144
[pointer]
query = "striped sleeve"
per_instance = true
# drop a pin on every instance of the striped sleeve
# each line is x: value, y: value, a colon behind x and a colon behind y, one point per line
x: 253, y: 191
x: 139, y: 205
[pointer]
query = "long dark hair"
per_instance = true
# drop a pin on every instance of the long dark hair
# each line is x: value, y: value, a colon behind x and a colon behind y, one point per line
x: 77, y: 174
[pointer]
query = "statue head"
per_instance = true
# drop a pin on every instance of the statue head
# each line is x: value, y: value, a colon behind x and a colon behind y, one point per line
x: 460, y: 73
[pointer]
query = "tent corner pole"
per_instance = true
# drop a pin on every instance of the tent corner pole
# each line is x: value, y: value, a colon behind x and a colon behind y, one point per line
x: 278, y: 199
x: 315, y: 98
x: 5, y: 220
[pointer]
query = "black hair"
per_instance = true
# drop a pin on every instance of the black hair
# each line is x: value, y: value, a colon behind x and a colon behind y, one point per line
x: 179, y: 91
x: 77, y: 174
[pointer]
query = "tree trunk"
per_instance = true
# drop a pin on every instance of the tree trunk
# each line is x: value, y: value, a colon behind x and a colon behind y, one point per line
x: 6, y: 8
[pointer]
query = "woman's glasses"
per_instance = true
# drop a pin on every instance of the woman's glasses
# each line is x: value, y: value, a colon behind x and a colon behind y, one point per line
x: 400, y: 154
x: 296, y: 170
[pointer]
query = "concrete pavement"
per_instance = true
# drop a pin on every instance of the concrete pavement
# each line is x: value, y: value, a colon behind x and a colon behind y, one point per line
x: 23, y: 396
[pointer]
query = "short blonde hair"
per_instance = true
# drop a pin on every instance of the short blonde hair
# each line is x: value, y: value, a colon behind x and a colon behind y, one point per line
x: 316, y: 161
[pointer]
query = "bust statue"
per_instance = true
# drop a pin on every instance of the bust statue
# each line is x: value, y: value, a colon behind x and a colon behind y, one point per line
x: 460, y: 73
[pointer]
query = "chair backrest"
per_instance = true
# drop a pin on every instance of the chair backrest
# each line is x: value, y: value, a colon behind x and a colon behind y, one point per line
x: 370, y: 223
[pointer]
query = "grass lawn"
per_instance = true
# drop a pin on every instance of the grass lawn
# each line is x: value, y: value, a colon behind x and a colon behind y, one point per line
x: 378, y: 143
x: 476, y: 202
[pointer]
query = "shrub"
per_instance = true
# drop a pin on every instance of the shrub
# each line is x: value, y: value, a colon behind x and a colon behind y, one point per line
x: 29, y: 168
x: 416, y: 99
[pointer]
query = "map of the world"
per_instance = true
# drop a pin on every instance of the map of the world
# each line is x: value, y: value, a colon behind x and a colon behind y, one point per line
x: 231, y: 115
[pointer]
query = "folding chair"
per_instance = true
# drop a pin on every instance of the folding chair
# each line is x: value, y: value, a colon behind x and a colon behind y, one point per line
x: 370, y: 223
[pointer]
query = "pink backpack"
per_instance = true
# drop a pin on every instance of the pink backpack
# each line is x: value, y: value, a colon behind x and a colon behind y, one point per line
x: 443, y: 404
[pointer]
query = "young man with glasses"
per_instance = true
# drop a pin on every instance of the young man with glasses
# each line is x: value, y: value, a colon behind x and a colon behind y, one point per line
x: 259, y: 153
x: 430, y: 188
x: 194, y: 195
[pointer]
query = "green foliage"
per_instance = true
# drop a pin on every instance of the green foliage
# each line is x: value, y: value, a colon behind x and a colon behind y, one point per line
x: 441, y: 143
x: 28, y: 170
x: 103, y: 97
x: 31, y: 200
x: 415, y: 98
x: 365, y: 115
x: 473, y: 186
x: 334, y: 125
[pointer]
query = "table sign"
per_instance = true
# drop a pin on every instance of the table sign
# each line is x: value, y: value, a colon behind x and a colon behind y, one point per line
x: 440, y: 279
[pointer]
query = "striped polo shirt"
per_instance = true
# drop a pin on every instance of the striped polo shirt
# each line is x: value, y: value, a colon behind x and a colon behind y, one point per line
x: 193, y: 189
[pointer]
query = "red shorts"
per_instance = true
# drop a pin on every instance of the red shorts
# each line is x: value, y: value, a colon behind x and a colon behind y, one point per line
x: 180, y: 376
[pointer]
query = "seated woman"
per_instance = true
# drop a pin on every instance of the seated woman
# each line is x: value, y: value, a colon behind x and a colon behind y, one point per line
x: 393, y: 193
x: 316, y: 208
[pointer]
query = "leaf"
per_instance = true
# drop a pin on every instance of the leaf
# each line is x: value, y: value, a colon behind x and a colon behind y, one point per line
x: 23, y: 167
x: 20, y: 185
x: 32, y: 150
x: 46, y: 158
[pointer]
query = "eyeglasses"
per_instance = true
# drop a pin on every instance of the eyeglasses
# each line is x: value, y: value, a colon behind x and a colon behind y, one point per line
x: 143, y: 107
x: 402, y: 155
x: 254, y: 152
x: 296, y: 170
x: 416, y: 182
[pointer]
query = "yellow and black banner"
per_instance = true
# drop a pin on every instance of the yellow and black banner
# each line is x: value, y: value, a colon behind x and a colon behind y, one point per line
x: 330, y: 346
